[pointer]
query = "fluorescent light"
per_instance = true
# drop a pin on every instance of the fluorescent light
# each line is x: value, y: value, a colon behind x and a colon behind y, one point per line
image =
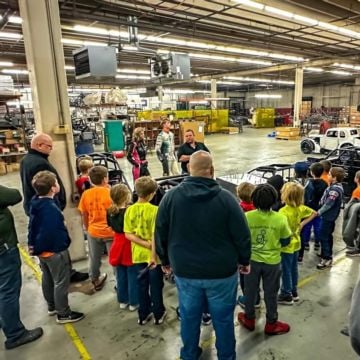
x: 139, y: 77
x: 91, y: 30
x: 250, y: 3
x: 10, y: 35
x: 69, y: 67
x: 15, y: 19
x: 268, y: 96
x: 133, y: 71
x: 82, y: 42
x: 6, y: 63
x: 129, y: 48
x: 278, y: 11
x: 313, y: 69
x: 263, y: 80
x: 347, y: 66
x: 304, y: 19
x: 14, y: 71
x: 328, y: 26
x: 217, y: 99
x: 337, y: 72
x: 348, y: 32
x: 228, y: 58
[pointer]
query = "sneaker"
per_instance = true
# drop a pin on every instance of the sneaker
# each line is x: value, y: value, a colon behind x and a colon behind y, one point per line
x: 241, y: 302
x: 285, y: 299
x: 316, y: 247
x: 206, y: 319
x: 28, y: 336
x: 52, y: 312
x: 345, y: 331
x: 300, y: 260
x: 123, y: 306
x: 74, y: 316
x: 146, y: 320
x: 133, y: 307
x: 307, y: 247
x: 276, y: 328
x: 323, y: 264
x: 295, y: 296
x: 353, y: 253
x: 245, y: 322
x: 161, y: 320
x: 178, y: 313
x: 100, y: 282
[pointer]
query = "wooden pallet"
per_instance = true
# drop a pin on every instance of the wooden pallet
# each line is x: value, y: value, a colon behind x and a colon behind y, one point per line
x: 229, y: 130
x: 288, y: 137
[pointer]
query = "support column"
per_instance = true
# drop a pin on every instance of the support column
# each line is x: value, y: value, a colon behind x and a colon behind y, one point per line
x: 299, y: 77
x: 45, y: 61
x: 213, y: 93
x: 160, y: 96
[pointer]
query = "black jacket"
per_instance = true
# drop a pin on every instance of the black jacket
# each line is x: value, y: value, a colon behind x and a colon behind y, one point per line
x: 186, y: 149
x: 314, y: 190
x: 201, y: 230
x: 116, y: 221
x: 8, y: 197
x: 47, y: 230
x: 31, y: 164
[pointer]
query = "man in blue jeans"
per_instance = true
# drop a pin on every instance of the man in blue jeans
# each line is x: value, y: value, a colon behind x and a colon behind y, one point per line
x: 202, y: 235
x: 10, y: 276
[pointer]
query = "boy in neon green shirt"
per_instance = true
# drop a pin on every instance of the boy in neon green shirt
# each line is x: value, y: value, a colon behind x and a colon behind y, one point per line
x: 269, y: 232
x: 292, y: 194
x: 139, y: 228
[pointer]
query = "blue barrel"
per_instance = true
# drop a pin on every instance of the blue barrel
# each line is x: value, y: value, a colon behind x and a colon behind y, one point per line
x: 84, y: 147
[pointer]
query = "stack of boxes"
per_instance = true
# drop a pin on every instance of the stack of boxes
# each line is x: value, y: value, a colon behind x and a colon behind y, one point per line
x: 305, y: 109
x: 349, y: 114
x: 12, y: 150
x: 263, y: 118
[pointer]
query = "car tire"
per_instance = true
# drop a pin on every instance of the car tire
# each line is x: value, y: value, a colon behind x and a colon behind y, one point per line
x: 307, y: 146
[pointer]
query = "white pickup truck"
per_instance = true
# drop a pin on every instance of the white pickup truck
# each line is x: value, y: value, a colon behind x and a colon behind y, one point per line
x: 333, y: 138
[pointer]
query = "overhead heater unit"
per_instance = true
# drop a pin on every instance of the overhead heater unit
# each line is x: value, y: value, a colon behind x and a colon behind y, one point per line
x: 98, y: 62
x: 170, y: 66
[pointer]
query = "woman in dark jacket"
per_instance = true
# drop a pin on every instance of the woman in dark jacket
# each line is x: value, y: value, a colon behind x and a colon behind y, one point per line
x: 137, y: 154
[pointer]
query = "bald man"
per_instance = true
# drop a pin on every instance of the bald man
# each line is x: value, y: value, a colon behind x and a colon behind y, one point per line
x: 37, y: 160
x: 202, y: 236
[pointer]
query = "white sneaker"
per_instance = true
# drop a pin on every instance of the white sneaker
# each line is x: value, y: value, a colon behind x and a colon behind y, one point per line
x: 123, y: 306
x: 133, y: 307
x: 161, y: 320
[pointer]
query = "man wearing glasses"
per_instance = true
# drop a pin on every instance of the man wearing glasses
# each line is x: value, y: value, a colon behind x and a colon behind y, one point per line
x: 37, y: 160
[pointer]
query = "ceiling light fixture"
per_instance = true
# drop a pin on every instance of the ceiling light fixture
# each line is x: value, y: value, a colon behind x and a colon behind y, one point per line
x: 263, y: 80
x: 6, y: 63
x: 15, y: 19
x: 228, y: 58
x: 337, y: 72
x: 278, y: 11
x: 268, y: 96
x: 250, y: 3
x: 133, y: 71
x: 138, y: 77
x: 81, y: 42
x: 313, y: 69
x: 69, y: 67
x: 14, y: 71
x: 10, y: 35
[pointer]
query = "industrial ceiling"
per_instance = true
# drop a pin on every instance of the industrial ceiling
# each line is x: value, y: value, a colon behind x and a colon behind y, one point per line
x: 243, y: 43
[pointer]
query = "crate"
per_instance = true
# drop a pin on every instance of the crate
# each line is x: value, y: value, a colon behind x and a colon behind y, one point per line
x: 287, y: 133
x: 229, y: 130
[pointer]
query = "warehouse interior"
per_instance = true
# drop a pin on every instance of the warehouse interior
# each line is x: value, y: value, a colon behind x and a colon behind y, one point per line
x: 255, y: 80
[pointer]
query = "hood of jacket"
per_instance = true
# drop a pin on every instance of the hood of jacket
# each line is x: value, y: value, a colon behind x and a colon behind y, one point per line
x: 198, y: 188
x: 39, y: 204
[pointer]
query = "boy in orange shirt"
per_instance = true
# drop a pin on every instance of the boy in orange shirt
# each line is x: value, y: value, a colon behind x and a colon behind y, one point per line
x: 93, y: 205
x: 356, y: 193
x: 325, y: 175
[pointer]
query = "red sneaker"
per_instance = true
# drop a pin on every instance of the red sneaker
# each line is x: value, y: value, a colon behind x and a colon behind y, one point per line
x: 245, y: 322
x: 276, y: 328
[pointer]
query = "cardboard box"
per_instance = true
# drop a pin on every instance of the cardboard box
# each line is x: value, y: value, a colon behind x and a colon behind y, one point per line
x: 15, y: 166
x: 2, y: 168
x: 8, y: 168
x: 198, y: 127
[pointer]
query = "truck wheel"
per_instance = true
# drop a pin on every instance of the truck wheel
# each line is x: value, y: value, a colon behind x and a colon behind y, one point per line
x: 307, y: 146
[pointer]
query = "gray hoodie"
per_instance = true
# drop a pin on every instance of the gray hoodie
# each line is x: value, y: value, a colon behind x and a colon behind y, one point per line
x: 351, y: 223
x: 355, y: 319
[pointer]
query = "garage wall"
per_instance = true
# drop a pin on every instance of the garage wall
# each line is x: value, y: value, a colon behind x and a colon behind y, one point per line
x: 328, y: 96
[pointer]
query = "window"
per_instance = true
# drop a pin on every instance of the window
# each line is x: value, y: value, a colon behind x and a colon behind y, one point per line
x: 332, y: 134
x: 354, y: 132
x: 342, y: 134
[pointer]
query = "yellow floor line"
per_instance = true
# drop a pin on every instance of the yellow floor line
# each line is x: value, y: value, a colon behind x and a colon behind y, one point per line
x: 76, y: 340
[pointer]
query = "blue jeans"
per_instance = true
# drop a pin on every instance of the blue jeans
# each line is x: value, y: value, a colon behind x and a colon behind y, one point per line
x: 289, y: 272
x: 150, y: 292
x: 221, y: 297
x: 10, y: 285
x: 326, y: 239
x: 127, y: 284
x: 306, y: 231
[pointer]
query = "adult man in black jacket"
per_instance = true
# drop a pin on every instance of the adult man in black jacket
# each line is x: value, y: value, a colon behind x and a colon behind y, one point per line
x: 202, y: 234
x: 37, y: 160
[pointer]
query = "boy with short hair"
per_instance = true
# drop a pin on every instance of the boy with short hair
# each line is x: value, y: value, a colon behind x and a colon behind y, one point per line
x: 356, y: 193
x: 329, y: 211
x: 139, y: 228
x: 325, y: 175
x: 83, y: 181
x: 49, y: 239
x: 269, y: 233
x: 93, y: 206
x: 244, y: 191
x: 313, y: 192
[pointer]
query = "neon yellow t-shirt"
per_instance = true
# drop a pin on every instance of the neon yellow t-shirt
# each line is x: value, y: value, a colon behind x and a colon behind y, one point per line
x: 294, y: 216
x: 140, y: 220
x: 267, y: 228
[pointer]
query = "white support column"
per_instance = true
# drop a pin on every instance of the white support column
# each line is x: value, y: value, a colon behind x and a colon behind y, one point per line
x: 299, y: 77
x: 45, y: 61
x: 160, y: 96
x: 213, y: 93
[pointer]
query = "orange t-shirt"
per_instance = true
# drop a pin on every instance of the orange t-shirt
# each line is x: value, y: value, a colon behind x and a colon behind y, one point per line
x: 46, y: 254
x: 95, y: 202
x: 325, y: 177
x: 356, y: 193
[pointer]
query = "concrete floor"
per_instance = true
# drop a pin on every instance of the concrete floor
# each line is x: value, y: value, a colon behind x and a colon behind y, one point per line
x: 110, y: 333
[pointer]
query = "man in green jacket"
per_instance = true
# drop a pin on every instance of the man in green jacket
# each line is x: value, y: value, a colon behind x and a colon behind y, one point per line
x: 10, y: 276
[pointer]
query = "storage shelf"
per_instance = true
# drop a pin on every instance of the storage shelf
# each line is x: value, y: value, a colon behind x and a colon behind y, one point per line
x: 13, y: 154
